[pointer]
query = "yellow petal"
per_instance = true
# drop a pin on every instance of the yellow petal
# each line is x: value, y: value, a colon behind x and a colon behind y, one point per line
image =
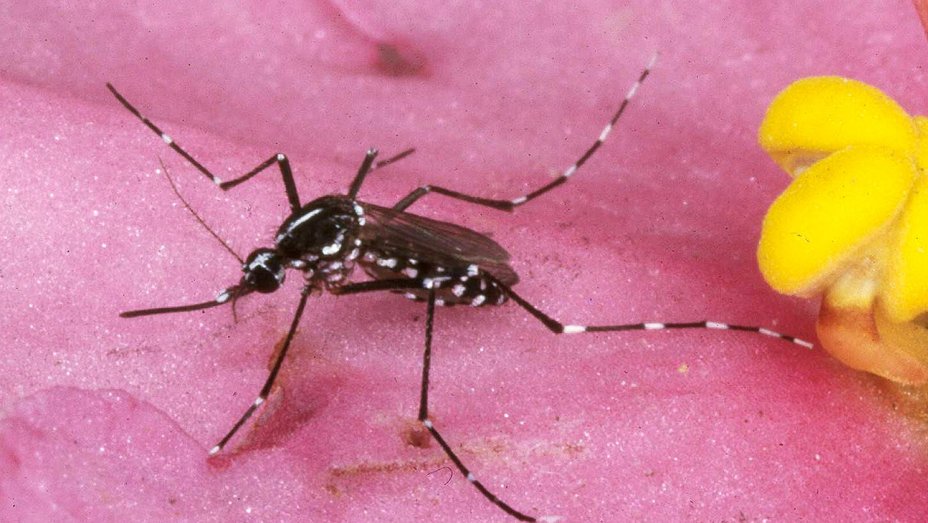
x: 921, y: 147
x: 905, y: 290
x: 828, y: 214
x: 816, y: 116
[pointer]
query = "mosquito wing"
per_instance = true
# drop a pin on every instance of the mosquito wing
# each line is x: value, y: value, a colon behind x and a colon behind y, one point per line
x: 436, y: 242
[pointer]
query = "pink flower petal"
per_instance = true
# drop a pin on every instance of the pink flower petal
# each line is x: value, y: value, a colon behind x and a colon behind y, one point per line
x: 660, y: 225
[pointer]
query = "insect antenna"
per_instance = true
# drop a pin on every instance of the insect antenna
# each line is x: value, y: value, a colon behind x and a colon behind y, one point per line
x: 195, y: 215
x: 234, y: 293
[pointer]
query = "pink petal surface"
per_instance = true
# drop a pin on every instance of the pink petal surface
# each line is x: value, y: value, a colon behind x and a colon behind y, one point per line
x: 110, y: 419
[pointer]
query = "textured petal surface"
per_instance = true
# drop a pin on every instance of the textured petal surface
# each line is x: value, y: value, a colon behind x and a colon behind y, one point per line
x: 661, y: 225
x: 906, y: 291
x: 815, y: 116
x: 832, y: 211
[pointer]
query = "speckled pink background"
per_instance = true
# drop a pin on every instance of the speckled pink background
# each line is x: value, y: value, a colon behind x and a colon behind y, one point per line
x: 106, y: 419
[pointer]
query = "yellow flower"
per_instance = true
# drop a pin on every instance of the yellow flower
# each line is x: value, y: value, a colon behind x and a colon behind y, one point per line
x: 853, y: 224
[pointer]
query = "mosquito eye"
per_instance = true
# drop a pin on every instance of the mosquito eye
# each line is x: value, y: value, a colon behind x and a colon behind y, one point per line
x: 851, y: 224
x: 264, y: 271
x: 262, y: 280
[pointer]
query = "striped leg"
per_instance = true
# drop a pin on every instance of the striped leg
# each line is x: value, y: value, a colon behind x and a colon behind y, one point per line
x: 560, y: 328
x: 271, y: 378
x: 509, y: 205
x: 377, y: 285
x: 280, y: 159
x: 424, y: 419
x: 417, y: 283
x: 392, y: 159
x: 368, y: 166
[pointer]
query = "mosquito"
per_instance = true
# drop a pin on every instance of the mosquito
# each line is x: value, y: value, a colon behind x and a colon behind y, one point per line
x: 436, y: 262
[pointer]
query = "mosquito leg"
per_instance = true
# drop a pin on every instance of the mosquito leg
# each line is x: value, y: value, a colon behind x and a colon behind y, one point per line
x: 416, y: 283
x: 365, y: 168
x: 280, y: 159
x: 509, y: 205
x: 286, y: 173
x: 560, y: 328
x: 424, y: 418
x: 393, y: 159
x: 271, y: 378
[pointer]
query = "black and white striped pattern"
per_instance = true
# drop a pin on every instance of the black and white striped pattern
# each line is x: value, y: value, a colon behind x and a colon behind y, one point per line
x: 272, y: 376
x: 657, y: 326
x: 509, y: 205
x: 279, y: 159
x: 596, y: 145
x: 560, y: 328
x: 164, y: 136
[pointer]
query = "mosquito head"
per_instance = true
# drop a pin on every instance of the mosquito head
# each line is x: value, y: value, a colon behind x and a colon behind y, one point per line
x: 323, y: 229
x: 264, y: 271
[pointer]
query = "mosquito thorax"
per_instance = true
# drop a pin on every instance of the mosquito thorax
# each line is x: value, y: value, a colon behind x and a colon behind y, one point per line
x: 325, y: 229
x: 264, y: 271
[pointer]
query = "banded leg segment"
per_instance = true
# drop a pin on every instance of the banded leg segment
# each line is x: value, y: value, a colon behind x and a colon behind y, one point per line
x: 279, y: 158
x: 417, y: 283
x: 559, y: 328
x: 427, y: 423
x: 509, y: 205
x: 368, y: 166
x: 271, y: 378
x: 393, y: 159
x: 293, y: 197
